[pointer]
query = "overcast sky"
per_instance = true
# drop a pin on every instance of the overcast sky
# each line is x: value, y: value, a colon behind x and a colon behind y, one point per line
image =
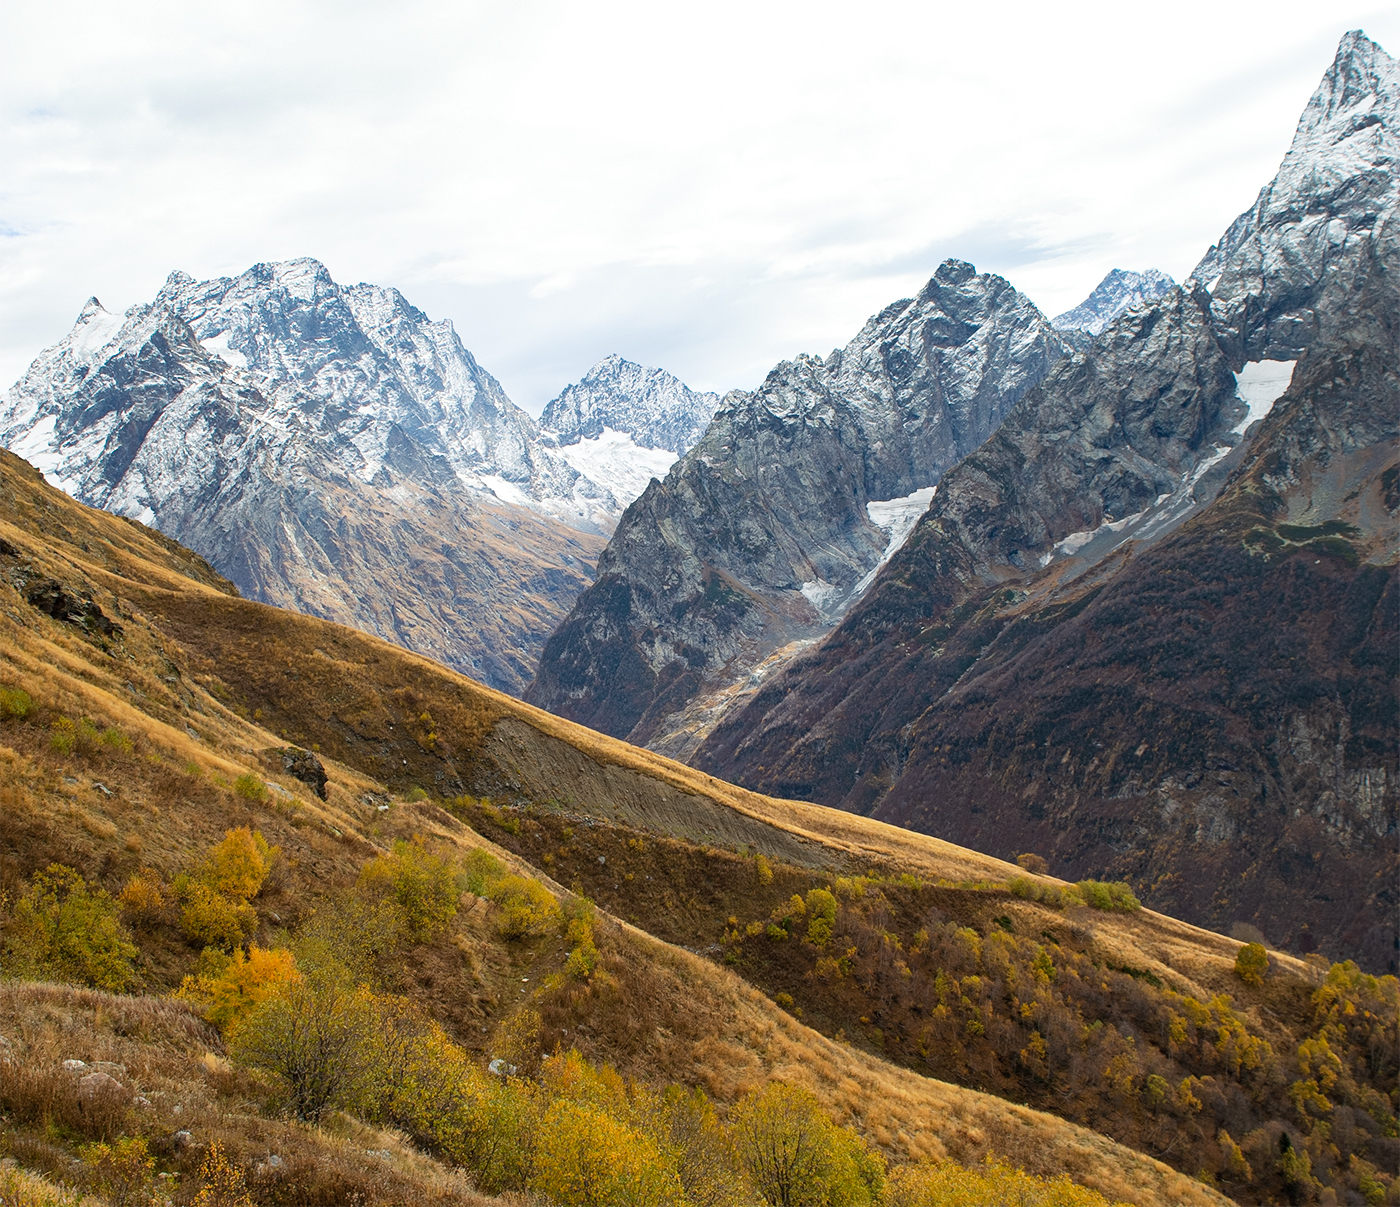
x: 710, y: 187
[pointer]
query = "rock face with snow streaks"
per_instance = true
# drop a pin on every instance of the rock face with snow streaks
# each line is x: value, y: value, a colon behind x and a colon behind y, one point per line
x: 1113, y: 295
x: 761, y: 535
x: 1149, y: 629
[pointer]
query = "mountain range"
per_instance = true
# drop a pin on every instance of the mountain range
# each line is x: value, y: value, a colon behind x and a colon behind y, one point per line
x: 808, y: 586
x: 1083, y: 647
x: 333, y: 450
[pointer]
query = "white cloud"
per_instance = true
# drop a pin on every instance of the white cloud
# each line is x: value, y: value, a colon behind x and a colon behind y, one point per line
x: 710, y: 187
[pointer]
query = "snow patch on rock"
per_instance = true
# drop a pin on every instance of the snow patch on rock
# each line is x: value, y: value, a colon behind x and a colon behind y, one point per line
x: 1260, y: 384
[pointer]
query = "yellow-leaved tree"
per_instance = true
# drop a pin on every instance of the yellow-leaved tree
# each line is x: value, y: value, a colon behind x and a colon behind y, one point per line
x: 796, y: 1156
x: 587, y: 1158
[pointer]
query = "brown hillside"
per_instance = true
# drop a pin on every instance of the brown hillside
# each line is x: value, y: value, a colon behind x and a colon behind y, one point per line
x: 203, y: 685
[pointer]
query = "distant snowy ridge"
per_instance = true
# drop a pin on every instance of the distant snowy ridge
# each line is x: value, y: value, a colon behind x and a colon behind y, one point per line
x: 1113, y: 295
x: 656, y: 409
x: 624, y: 424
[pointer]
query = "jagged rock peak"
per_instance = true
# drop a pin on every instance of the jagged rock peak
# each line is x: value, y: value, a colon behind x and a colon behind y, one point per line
x: 777, y: 519
x: 1328, y: 213
x: 1362, y: 81
x: 1119, y: 290
x: 652, y: 406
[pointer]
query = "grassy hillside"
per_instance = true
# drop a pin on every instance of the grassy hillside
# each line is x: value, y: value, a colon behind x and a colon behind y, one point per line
x: 154, y: 705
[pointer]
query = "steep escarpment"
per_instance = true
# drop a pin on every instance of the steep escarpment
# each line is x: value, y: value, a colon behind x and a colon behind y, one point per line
x: 765, y: 532
x: 1081, y: 650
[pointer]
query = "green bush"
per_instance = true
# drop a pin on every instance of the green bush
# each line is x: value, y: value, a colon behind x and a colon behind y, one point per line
x: 114, y: 739
x: 68, y: 736
x: 66, y: 930
x: 15, y: 702
x: 1114, y: 896
x: 1252, y: 964
x: 250, y: 787
x: 423, y: 886
x: 480, y: 870
x: 527, y: 907
x: 821, y: 908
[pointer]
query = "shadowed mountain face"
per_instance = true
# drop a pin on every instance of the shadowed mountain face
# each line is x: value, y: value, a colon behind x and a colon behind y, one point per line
x: 764, y: 532
x: 1086, y: 648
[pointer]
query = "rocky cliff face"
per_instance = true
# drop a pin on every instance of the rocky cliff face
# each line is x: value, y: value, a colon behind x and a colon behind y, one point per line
x: 762, y: 535
x: 655, y: 409
x: 1113, y: 295
x: 1082, y: 650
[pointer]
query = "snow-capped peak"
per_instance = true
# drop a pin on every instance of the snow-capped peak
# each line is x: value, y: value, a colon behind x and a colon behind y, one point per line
x: 1113, y: 295
x: 654, y: 408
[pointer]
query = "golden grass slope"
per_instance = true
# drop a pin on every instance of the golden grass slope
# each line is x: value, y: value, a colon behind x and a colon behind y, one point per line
x: 207, y: 682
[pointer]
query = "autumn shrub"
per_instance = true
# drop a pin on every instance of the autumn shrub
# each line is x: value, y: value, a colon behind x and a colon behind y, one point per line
x: 15, y: 703
x: 583, y: 950
x: 1113, y: 896
x: 348, y: 938
x: 213, y: 920
x: 315, y: 1038
x: 19, y: 1188
x: 587, y: 1158
x: 821, y: 910
x: 238, y: 865
x: 121, y: 1172
x: 422, y: 885
x: 114, y: 739
x: 1054, y: 895
x: 250, y: 787
x: 945, y: 1184
x: 144, y: 899
x: 230, y: 987
x: 1033, y: 863
x: 1252, y: 963
x: 64, y: 929
x: 67, y: 736
x: 708, y: 1165
x: 222, y: 1184
x: 527, y: 907
x: 795, y: 1156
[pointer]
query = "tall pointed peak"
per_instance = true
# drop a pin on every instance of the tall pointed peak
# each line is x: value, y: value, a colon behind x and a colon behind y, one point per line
x: 1363, y: 83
